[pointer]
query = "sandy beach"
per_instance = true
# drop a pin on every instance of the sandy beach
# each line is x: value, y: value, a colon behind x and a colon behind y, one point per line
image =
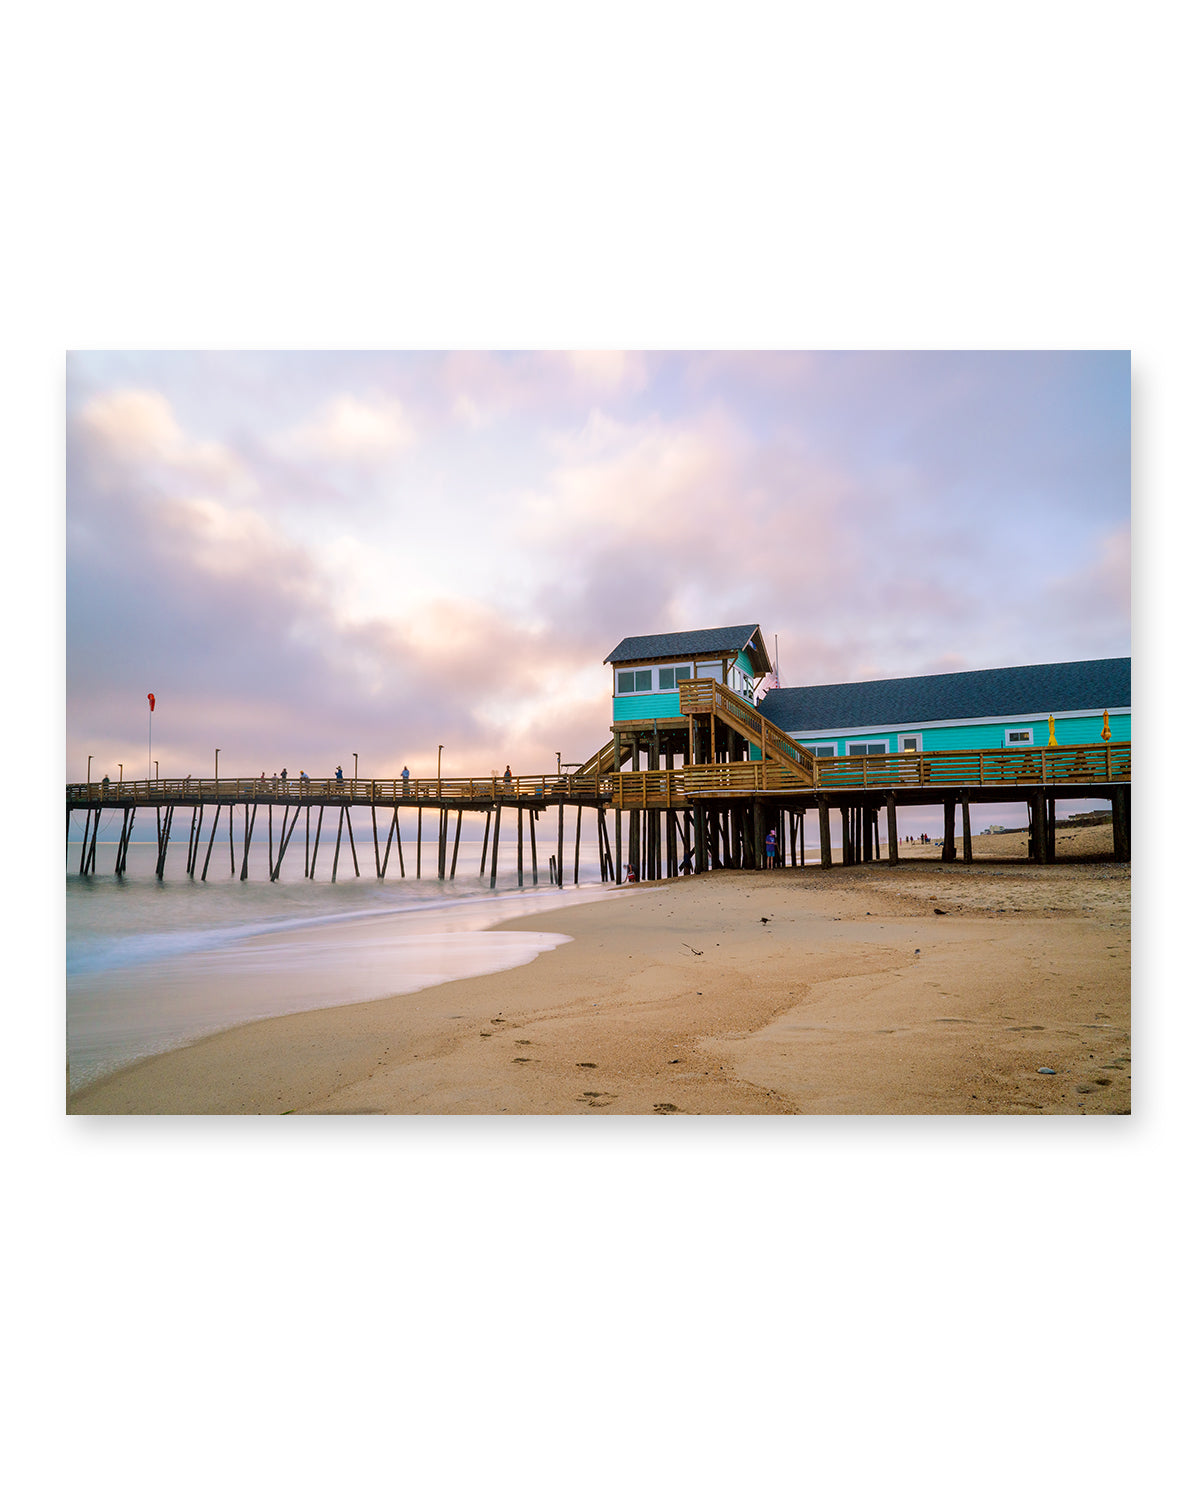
x: 922, y: 989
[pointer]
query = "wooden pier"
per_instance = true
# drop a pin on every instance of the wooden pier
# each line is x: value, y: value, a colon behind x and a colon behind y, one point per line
x: 666, y: 821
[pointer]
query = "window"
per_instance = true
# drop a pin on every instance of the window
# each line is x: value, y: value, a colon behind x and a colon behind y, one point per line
x: 634, y: 682
x: 682, y: 674
x: 910, y: 743
x: 867, y: 747
x: 709, y: 669
x: 1018, y: 737
x: 824, y: 752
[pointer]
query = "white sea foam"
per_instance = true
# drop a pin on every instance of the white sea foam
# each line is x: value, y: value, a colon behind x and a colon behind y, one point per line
x: 152, y: 964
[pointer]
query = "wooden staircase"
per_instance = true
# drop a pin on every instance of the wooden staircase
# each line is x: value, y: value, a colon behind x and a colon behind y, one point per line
x: 704, y: 696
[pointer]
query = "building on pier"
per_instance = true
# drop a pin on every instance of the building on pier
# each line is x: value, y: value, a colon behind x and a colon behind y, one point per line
x: 998, y: 708
x: 648, y: 675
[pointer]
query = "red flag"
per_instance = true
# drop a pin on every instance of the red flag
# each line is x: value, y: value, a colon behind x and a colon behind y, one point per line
x: 151, y: 698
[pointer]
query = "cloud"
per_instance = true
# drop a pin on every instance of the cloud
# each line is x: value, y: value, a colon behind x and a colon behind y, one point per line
x: 137, y: 430
x: 353, y: 429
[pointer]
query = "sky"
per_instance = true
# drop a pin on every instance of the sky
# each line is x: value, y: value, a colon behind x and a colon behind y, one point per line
x: 310, y: 555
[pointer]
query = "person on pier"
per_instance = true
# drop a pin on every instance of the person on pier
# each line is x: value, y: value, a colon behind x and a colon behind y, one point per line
x: 404, y: 779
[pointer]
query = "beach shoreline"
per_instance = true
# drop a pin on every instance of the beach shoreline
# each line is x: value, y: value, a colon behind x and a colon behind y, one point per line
x: 993, y: 988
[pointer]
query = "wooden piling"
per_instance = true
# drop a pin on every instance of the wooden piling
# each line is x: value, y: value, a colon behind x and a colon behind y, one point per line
x: 893, y: 836
x: 578, y: 833
x: 457, y: 833
x: 211, y: 840
x: 164, y: 838
x: 496, y: 843
x: 966, y: 822
x: 419, y: 811
x: 232, y: 864
x: 826, y: 841
x: 375, y: 834
x: 1037, y: 827
x: 948, y: 850
x: 285, y: 836
x: 190, y: 864
x: 1121, y: 801
x: 337, y: 848
x: 487, y: 828
x: 520, y: 847
x: 533, y: 843
x: 250, y: 820
x: 317, y: 840
x: 558, y: 878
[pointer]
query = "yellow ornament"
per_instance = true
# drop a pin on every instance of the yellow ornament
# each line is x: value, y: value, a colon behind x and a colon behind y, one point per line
x: 1052, y: 740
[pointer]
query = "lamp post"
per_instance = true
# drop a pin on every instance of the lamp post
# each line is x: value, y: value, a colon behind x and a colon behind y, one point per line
x: 355, y: 754
x: 120, y: 770
x: 156, y: 770
x: 440, y: 749
x: 216, y: 763
x: 89, y: 775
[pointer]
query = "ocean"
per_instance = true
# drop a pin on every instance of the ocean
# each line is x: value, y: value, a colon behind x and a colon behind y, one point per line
x: 152, y: 964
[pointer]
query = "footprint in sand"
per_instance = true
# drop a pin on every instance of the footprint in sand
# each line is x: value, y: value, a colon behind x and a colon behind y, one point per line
x: 585, y: 1065
x: 596, y: 1100
x: 666, y: 1109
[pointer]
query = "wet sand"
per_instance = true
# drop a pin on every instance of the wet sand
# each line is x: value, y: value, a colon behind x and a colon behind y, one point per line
x: 923, y: 989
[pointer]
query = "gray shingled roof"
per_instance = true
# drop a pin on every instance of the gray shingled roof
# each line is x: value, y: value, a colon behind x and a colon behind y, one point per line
x: 683, y: 643
x: 999, y: 692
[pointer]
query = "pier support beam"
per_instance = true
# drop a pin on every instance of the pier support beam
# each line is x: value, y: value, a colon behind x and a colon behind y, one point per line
x: 1037, y: 827
x: 948, y: 849
x: 826, y: 841
x: 1121, y: 824
x: 966, y: 822
x: 893, y: 836
x: 457, y: 835
x: 495, y: 844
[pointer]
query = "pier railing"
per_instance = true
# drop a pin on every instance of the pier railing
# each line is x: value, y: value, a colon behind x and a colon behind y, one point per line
x: 1073, y: 764
x: 1078, y: 764
x: 1063, y: 764
x: 416, y: 790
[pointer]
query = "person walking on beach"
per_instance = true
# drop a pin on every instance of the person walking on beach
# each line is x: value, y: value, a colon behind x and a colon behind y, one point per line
x: 770, y: 848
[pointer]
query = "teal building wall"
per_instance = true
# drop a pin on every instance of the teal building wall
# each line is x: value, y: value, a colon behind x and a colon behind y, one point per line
x: 982, y: 735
